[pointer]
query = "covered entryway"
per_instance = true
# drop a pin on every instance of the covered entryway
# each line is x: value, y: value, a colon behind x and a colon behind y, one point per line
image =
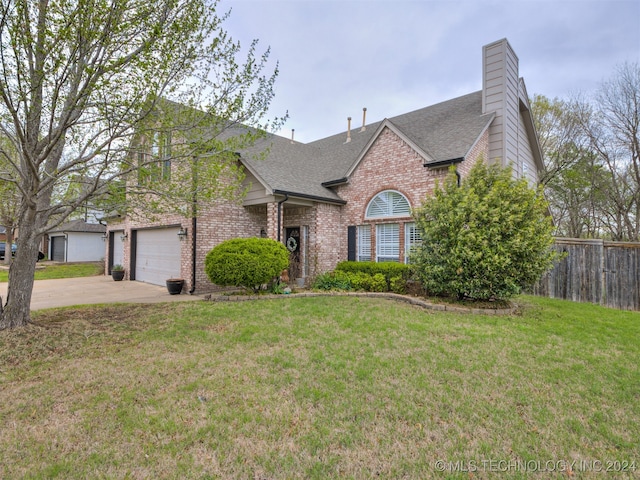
x: 58, y: 247
x: 157, y: 255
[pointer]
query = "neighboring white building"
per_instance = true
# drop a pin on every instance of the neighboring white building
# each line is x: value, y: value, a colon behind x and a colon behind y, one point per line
x: 77, y: 241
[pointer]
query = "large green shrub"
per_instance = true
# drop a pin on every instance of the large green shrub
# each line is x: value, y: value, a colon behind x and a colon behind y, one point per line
x: 246, y: 262
x: 486, y: 239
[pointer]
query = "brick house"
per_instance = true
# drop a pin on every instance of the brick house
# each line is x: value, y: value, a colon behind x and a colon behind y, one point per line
x: 348, y: 196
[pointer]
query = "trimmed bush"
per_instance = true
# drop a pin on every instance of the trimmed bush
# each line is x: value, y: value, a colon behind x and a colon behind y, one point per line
x: 398, y: 285
x: 379, y: 283
x: 388, y: 269
x: 360, y: 280
x: 246, y: 262
x: 486, y: 239
x: 365, y: 276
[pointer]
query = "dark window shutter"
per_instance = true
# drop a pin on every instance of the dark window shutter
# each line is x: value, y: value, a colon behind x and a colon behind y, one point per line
x: 351, y: 243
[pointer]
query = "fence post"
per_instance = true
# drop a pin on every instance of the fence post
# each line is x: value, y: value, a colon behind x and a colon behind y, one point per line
x: 603, y: 276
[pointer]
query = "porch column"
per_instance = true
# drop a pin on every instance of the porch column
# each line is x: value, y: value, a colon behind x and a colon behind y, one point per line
x: 272, y: 220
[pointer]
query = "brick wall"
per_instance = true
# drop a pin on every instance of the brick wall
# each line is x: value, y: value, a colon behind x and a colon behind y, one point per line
x: 479, y: 151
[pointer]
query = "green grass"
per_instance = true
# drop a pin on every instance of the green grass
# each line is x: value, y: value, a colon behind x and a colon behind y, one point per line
x: 325, y: 387
x: 61, y: 270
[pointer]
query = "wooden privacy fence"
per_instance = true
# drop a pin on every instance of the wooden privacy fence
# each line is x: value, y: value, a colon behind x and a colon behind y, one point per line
x: 595, y: 271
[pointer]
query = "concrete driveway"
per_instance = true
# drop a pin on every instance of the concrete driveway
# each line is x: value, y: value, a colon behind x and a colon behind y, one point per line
x: 65, y: 292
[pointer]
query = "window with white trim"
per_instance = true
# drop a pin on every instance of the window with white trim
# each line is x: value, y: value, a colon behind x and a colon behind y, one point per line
x: 155, y: 164
x: 364, y: 243
x: 411, y: 239
x: 388, y: 204
x: 387, y: 242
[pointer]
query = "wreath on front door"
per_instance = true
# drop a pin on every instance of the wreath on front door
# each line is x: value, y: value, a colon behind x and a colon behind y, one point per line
x: 292, y: 244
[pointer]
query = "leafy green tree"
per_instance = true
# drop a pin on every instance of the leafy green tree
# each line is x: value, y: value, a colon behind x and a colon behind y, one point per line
x: 82, y: 81
x: 246, y: 262
x: 574, y: 179
x: 486, y: 239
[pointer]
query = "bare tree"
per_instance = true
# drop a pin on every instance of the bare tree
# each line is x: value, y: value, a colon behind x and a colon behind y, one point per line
x: 612, y: 125
x: 9, y: 197
x: 573, y: 178
x: 80, y: 80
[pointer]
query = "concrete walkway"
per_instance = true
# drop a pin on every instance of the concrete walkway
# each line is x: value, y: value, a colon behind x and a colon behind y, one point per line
x: 65, y: 292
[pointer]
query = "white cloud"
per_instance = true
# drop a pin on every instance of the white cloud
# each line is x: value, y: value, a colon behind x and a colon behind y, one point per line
x: 396, y: 56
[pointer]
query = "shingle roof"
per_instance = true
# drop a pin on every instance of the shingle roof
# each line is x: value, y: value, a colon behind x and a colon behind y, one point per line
x: 80, y: 226
x: 444, y: 131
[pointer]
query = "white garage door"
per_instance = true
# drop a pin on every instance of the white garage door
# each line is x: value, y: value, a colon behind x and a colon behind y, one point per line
x: 157, y: 255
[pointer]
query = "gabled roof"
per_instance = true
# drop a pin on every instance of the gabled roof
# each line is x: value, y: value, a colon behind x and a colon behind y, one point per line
x: 439, y: 133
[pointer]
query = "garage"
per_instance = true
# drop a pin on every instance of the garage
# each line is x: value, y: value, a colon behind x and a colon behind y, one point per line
x: 157, y: 255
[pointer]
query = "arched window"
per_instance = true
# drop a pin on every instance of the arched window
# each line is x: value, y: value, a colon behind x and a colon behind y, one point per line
x: 388, y: 204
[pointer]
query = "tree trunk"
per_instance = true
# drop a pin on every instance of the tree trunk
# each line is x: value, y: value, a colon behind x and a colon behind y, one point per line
x: 16, y: 312
x: 7, y: 246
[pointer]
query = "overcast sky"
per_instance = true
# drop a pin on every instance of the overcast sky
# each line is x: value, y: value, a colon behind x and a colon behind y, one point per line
x: 395, y: 56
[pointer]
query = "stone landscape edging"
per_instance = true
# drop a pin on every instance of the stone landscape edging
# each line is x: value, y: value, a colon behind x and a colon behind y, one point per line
x: 388, y: 295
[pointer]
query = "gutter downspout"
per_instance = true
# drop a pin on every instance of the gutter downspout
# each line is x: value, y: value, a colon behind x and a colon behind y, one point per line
x: 194, y: 224
x: 455, y: 170
x: 286, y: 197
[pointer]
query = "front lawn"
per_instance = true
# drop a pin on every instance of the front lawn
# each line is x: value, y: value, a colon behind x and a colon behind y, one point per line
x: 47, y: 271
x: 325, y: 387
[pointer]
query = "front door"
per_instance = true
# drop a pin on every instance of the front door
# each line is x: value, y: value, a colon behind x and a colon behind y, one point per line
x: 292, y: 242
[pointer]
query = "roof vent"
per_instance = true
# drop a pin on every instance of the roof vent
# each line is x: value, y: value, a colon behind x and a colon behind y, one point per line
x: 292, y: 132
x: 348, y: 129
x: 364, y: 119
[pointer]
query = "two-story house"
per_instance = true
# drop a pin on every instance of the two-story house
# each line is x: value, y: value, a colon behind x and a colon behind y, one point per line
x: 348, y: 196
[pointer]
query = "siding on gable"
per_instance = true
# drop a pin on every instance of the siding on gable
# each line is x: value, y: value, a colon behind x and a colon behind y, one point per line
x: 527, y: 167
x: 257, y: 193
